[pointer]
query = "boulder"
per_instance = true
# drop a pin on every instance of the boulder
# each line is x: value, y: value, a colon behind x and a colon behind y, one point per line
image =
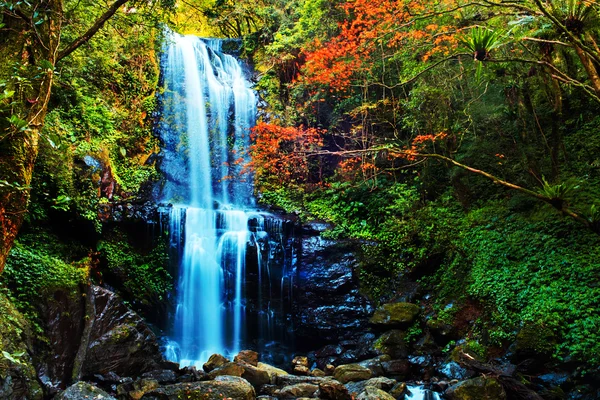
x: 317, y: 372
x: 116, y: 339
x: 375, y: 364
x: 392, y: 343
x: 399, y: 390
x: 395, y: 314
x: 382, y: 383
x: 333, y: 390
x: 298, y: 390
x: 272, y: 371
x: 372, y: 393
x: 453, y: 370
x: 142, y: 387
x: 230, y: 369
x: 289, y: 380
x: 222, y: 387
x: 214, y: 361
x: 247, y: 356
x: 256, y: 376
x: 477, y: 388
x: 351, y: 373
x: 397, y: 369
x: 84, y: 390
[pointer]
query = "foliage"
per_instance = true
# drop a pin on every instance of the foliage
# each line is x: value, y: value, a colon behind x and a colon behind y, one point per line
x: 142, y: 276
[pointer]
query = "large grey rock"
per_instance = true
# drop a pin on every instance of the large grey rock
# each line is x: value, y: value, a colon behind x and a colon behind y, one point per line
x: 385, y: 384
x: 84, y: 390
x: 333, y: 390
x: 223, y: 387
x: 272, y: 371
x: 230, y: 369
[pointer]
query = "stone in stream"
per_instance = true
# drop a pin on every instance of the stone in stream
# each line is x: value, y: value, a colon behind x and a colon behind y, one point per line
x: 214, y: 361
x: 351, y: 373
x: 83, y: 390
x: 222, y: 387
x: 395, y: 314
x: 385, y: 384
x: 256, y: 376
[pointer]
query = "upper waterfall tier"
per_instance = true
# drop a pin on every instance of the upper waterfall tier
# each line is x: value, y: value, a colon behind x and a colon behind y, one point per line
x: 208, y: 109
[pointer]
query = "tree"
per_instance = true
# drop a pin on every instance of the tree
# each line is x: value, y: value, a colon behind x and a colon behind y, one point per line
x: 31, y: 47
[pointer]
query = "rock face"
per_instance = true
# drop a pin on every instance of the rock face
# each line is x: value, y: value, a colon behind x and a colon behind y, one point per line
x: 395, y: 314
x: 117, y: 339
x: 328, y: 306
x: 83, y: 390
x: 228, y: 387
x: 477, y: 388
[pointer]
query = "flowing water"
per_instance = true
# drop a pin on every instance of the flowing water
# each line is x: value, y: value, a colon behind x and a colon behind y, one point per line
x: 207, y: 110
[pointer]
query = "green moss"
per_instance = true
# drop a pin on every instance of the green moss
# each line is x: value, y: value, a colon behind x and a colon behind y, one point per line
x: 395, y: 314
x: 142, y: 277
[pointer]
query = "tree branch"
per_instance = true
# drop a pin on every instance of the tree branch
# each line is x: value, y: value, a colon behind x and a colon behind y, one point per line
x: 92, y: 30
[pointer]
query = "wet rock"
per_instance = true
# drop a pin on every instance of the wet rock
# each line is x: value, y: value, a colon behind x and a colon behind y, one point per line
x: 247, y: 356
x: 118, y: 340
x: 441, y: 331
x: 317, y: 372
x: 142, y: 387
x: 395, y: 314
x: 382, y: 383
x: 329, y: 351
x: 84, y: 390
x: 289, y: 380
x: 375, y: 364
x: 214, y: 361
x: 162, y: 376
x: 256, y: 376
x: 298, y: 390
x: 397, y: 369
x: 477, y: 388
x: 191, y: 374
x: 328, y: 307
x: 333, y: 390
x: 272, y: 371
x: 230, y: 369
x: 222, y: 387
x: 268, y: 390
x: 301, y: 370
x: 533, y: 347
x: 300, y: 360
x: 399, y: 390
x: 392, y: 343
x: 453, y: 370
x: 329, y: 370
x: 351, y: 373
x: 372, y: 393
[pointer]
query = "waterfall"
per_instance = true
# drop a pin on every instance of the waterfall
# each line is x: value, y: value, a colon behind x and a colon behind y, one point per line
x: 207, y: 109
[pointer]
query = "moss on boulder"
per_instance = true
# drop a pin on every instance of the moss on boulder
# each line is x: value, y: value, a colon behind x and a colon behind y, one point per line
x: 395, y: 314
x: 477, y: 389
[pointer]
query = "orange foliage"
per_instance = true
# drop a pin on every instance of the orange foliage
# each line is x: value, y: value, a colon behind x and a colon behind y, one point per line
x: 419, y: 143
x: 282, y: 152
x: 372, y: 26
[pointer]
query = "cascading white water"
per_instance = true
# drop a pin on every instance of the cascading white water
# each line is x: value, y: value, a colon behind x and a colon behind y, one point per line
x: 207, y: 110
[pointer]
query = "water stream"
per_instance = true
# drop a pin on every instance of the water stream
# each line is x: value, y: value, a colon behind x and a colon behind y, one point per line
x: 207, y: 110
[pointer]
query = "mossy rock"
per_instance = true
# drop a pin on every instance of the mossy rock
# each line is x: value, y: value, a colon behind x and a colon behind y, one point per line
x: 395, y: 314
x: 393, y: 343
x: 477, y: 389
x: 535, y: 340
x: 223, y: 387
x: 18, y: 378
x: 471, y: 348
